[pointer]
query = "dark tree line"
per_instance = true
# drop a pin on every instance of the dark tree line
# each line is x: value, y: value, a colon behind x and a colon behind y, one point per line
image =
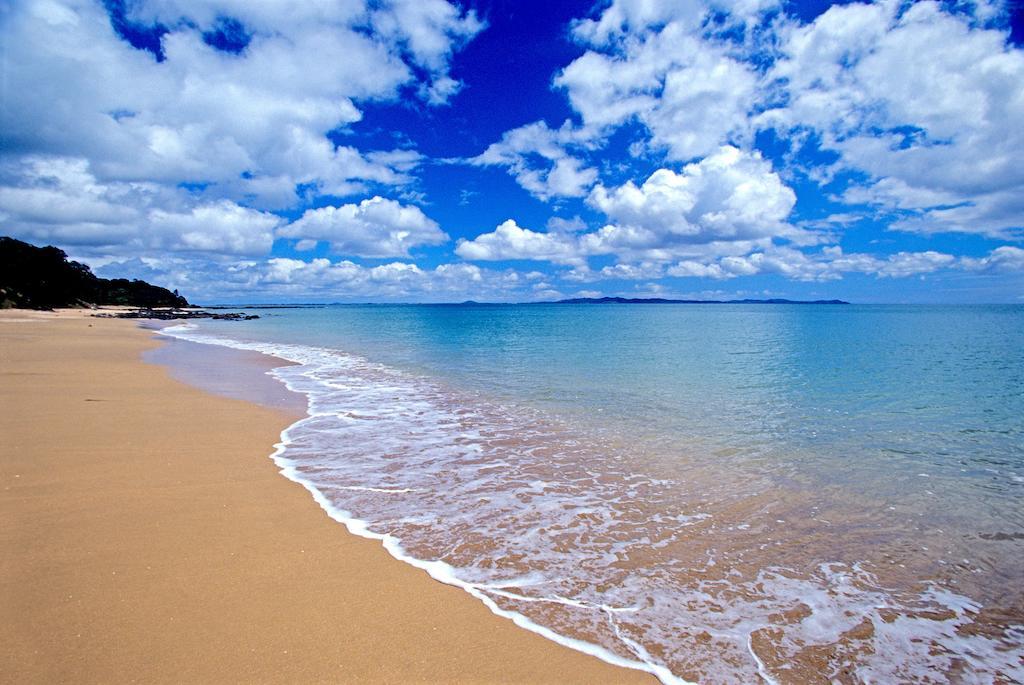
x: 43, y: 278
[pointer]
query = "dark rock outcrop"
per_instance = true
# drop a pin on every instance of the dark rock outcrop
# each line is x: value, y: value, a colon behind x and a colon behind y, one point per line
x: 176, y: 314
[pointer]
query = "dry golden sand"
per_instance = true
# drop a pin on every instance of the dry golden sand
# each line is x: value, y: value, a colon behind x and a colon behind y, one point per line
x: 145, y: 536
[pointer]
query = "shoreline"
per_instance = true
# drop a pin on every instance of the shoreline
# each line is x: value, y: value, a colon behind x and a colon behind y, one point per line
x: 225, y: 372
x: 255, y: 366
x: 153, y: 539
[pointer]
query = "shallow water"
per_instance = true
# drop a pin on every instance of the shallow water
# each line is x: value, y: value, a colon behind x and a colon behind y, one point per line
x: 216, y: 369
x: 713, y: 493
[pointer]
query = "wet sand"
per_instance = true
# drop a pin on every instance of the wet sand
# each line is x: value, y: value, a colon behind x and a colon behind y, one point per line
x: 147, y: 537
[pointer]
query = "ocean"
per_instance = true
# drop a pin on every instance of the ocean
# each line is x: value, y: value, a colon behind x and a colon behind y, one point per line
x: 712, y: 493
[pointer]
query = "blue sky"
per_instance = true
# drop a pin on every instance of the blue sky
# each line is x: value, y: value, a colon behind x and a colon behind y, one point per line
x: 427, y: 150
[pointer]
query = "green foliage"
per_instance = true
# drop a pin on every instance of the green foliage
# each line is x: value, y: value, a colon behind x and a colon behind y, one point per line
x: 43, y: 278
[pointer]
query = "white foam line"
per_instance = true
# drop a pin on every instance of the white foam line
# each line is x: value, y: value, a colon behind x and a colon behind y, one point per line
x: 762, y: 670
x: 438, y: 570
x: 365, y: 489
x: 522, y: 581
x: 579, y: 604
x: 662, y: 673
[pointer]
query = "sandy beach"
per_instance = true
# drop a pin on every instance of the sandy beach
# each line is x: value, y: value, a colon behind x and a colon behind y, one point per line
x: 147, y: 537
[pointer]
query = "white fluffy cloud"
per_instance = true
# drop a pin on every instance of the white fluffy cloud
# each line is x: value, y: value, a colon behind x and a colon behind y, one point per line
x: 59, y: 191
x: 538, y: 158
x: 376, y: 227
x: 827, y: 264
x: 253, y: 124
x: 283, y: 279
x: 831, y: 263
x: 924, y: 102
x: 59, y: 200
x: 621, y: 20
x: 221, y: 227
x: 632, y: 272
x: 653, y: 63
x: 1007, y: 259
x: 510, y: 241
x: 666, y: 66
x: 730, y: 201
x: 691, y: 95
x: 729, y: 196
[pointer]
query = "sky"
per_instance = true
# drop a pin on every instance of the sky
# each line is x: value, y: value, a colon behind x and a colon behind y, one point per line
x: 434, y: 151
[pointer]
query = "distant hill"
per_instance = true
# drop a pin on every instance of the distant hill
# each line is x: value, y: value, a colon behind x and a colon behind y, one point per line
x: 661, y: 300
x: 43, y: 278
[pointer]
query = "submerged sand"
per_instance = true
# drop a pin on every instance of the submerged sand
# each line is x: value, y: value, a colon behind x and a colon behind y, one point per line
x: 147, y: 537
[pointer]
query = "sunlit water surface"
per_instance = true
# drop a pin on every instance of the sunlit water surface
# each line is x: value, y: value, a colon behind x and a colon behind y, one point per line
x: 715, y: 493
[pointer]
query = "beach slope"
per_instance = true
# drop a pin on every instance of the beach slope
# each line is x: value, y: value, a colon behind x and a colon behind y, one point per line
x: 147, y: 537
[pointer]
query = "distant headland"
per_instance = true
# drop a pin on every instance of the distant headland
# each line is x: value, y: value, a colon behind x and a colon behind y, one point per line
x: 661, y: 300
x: 44, y: 278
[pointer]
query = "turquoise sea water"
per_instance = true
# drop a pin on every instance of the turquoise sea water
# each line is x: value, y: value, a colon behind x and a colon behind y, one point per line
x: 711, y: 492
